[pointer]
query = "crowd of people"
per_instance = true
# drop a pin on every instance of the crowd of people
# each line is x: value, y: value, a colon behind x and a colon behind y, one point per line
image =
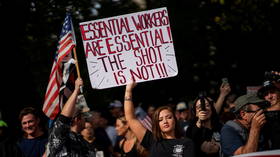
x: 230, y: 125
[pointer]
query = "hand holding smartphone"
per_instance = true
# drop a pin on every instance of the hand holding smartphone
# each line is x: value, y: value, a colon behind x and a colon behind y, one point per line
x: 224, y: 80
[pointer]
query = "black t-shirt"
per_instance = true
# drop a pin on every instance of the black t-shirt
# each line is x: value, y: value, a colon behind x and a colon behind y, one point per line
x: 271, y: 129
x: 33, y: 147
x: 102, y: 141
x: 183, y: 147
x: 199, y: 135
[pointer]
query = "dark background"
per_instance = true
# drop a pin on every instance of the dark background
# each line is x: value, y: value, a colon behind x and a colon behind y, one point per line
x: 212, y: 39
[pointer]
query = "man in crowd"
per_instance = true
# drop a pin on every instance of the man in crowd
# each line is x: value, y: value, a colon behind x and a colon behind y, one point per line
x: 8, y: 146
x: 242, y: 135
x: 102, y: 140
x: 183, y: 116
x: 34, y: 138
x: 65, y: 138
x: 271, y: 92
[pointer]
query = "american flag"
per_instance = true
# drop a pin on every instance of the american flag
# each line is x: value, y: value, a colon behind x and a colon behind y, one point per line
x: 143, y: 117
x: 60, y: 71
x: 146, y: 122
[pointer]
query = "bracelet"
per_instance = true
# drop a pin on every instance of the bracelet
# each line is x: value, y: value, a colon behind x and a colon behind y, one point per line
x: 127, y: 99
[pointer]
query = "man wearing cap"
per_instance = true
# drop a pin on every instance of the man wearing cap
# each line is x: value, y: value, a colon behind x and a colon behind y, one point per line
x: 242, y: 135
x: 183, y: 116
x: 271, y: 92
x: 65, y: 138
x: 116, y: 109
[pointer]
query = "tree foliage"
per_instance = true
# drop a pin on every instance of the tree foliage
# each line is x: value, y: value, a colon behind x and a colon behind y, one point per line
x: 209, y: 38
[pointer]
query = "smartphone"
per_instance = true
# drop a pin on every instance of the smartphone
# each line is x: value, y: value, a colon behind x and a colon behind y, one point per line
x: 225, y: 80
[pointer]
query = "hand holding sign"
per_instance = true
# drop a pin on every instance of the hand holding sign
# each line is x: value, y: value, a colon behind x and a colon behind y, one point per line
x: 130, y: 86
x: 137, y: 46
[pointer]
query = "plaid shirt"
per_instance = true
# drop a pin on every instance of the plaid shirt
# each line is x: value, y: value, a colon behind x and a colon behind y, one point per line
x: 63, y: 142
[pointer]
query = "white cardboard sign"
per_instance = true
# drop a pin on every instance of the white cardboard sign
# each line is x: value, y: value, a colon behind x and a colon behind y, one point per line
x: 136, y: 46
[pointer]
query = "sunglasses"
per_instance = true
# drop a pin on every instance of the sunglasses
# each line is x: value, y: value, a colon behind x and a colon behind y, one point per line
x: 251, y: 111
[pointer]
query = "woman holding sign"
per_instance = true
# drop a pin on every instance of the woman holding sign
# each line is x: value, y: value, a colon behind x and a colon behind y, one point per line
x: 165, y: 139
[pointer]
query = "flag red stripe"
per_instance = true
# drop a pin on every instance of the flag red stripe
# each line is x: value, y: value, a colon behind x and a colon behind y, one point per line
x: 50, y: 92
x: 51, y: 95
x: 51, y: 77
x: 55, y: 70
x: 65, y: 45
x: 51, y: 85
x: 65, y: 53
x: 55, y: 112
x: 52, y: 108
x: 52, y: 98
x: 69, y: 35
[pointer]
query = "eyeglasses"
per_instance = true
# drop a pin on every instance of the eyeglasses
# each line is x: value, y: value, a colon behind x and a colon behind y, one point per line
x: 250, y: 111
x: 199, y: 106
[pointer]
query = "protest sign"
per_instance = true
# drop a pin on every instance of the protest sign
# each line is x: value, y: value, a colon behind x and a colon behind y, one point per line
x: 136, y: 46
x: 252, y: 89
x: 267, y: 153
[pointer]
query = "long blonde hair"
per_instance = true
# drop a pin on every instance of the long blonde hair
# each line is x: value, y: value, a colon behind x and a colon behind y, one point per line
x: 141, y: 151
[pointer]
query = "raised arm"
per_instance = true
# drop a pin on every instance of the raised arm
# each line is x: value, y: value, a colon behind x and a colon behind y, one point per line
x: 69, y: 107
x: 224, y: 91
x: 59, y: 134
x: 257, y: 123
x: 133, y: 122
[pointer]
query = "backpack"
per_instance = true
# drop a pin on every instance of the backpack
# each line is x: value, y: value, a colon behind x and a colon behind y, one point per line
x: 241, y: 131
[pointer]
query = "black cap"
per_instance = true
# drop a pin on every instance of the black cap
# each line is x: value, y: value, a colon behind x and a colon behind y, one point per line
x: 268, y: 87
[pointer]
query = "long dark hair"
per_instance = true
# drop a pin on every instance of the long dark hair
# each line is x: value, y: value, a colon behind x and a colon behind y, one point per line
x: 214, y: 116
x: 155, y: 121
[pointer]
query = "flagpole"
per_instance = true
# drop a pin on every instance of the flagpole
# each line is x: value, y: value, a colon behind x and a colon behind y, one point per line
x: 76, y: 64
x: 81, y: 97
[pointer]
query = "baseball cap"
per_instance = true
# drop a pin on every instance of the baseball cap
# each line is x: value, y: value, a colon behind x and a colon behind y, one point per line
x: 247, y: 99
x: 84, y: 112
x: 181, y: 106
x: 267, y: 87
x: 115, y: 103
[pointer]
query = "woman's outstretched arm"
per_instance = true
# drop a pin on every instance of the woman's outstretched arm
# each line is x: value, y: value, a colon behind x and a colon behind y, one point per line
x: 137, y: 128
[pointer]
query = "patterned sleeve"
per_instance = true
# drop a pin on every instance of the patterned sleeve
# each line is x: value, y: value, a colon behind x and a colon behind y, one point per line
x: 59, y: 134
